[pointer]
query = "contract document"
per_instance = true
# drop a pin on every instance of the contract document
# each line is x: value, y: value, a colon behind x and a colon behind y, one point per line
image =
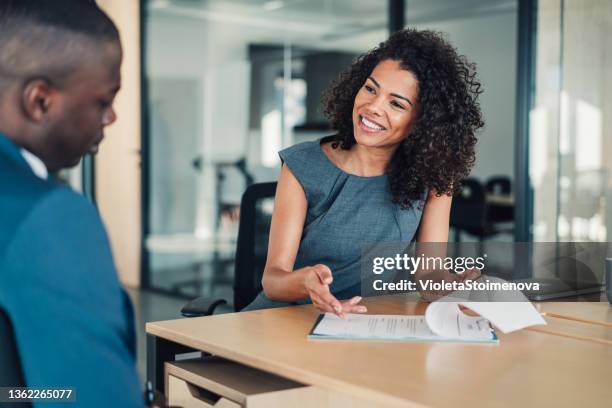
x: 443, y: 321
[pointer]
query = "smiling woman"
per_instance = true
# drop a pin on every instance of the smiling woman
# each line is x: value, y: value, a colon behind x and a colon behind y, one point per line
x: 406, y: 114
x: 445, y: 114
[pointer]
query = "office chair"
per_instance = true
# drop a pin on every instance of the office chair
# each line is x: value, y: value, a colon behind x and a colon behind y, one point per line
x: 11, y: 374
x: 251, y: 252
x: 469, y: 211
x: 499, y: 185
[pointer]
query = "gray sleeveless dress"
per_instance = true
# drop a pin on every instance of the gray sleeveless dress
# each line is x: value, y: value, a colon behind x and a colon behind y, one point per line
x: 344, y: 213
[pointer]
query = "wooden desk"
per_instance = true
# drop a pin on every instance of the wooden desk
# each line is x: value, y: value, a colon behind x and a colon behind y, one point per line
x: 591, y: 312
x: 586, y: 321
x: 527, y: 368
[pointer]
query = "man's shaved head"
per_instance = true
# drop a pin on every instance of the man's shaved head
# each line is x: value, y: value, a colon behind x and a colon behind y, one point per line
x: 47, y: 37
x: 59, y: 72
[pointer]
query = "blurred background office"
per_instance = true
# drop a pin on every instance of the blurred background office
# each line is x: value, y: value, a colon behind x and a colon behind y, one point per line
x: 212, y: 90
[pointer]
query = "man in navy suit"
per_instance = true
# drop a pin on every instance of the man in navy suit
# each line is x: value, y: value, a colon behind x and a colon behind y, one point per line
x: 73, y: 323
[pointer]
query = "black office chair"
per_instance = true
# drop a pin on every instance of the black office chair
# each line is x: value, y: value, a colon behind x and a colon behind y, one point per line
x: 11, y: 374
x: 502, y: 186
x: 469, y: 211
x: 251, y: 252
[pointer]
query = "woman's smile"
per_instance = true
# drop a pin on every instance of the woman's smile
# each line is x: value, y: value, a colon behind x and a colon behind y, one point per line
x: 370, y: 125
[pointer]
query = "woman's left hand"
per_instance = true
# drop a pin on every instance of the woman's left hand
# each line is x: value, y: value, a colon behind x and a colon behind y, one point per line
x: 469, y: 275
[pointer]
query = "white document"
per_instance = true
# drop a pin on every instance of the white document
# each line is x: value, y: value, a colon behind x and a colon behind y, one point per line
x: 375, y: 326
x: 401, y: 328
x: 443, y: 321
x: 506, y: 316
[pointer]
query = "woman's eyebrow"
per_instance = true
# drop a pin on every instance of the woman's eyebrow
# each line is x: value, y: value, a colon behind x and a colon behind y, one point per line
x: 375, y: 81
x: 402, y: 97
x: 393, y: 94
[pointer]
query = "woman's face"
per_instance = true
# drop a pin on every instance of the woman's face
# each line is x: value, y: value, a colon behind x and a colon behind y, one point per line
x: 385, y: 106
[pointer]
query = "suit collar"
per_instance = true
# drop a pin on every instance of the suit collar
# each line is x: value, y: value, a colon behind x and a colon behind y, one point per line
x: 37, y: 165
x: 9, y: 149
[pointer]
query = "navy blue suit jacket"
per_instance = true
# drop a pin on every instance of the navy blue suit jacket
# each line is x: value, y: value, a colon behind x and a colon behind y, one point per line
x: 73, y: 322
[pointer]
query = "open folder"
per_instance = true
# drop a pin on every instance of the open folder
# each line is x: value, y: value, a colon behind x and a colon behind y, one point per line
x: 443, y: 321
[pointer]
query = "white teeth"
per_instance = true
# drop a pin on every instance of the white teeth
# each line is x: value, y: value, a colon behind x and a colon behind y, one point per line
x: 371, y: 125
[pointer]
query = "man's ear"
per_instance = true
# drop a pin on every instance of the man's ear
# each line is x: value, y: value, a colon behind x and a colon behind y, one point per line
x: 36, y: 99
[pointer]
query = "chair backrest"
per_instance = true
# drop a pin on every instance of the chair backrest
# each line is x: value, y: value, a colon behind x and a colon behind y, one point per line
x: 11, y: 374
x: 252, y: 246
x: 468, y: 210
x: 499, y: 185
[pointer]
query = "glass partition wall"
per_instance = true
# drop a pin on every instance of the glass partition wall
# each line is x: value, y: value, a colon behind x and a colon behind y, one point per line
x: 229, y: 84
x: 486, y: 32
x: 570, y: 138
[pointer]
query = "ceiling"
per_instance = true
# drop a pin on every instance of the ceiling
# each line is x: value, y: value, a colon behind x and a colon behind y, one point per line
x: 325, y: 19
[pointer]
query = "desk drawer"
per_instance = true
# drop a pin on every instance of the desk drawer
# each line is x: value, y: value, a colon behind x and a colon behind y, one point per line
x: 183, y: 394
x: 215, y: 382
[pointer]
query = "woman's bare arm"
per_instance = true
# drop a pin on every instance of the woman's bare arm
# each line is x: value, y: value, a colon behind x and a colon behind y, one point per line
x: 280, y: 282
x: 290, y: 206
x: 432, y: 239
x: 435, y: 219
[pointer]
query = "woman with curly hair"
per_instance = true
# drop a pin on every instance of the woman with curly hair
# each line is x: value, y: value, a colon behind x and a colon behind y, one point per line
x: 406, y: 114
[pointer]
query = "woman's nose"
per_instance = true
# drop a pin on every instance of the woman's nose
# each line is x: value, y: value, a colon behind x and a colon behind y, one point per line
x: 376, y: 106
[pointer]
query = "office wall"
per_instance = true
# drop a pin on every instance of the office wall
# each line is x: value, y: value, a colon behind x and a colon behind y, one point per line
x: 213, y: 56
x: 490, y: 41
x: 199, y: 75
x: 193, y: 45
x: 118, y: 162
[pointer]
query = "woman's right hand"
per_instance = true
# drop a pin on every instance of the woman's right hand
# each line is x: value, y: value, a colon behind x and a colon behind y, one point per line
x: 317, y: 281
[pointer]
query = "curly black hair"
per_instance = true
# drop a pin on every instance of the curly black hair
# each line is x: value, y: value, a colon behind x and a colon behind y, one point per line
x: 439, y: 152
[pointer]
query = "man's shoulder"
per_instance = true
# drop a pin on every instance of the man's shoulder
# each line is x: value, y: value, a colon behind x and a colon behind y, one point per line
x: 61, y: 236
x: 59, y: 206
x: 24, y: 196
x: 18, y: 184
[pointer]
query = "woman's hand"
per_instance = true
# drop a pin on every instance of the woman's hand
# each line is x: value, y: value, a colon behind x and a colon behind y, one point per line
x: 469, y: 275
x: 317, y: 281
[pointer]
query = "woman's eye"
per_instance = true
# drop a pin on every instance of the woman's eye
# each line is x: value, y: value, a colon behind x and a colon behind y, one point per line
x: 369, y: 89
x: 396, y: 104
